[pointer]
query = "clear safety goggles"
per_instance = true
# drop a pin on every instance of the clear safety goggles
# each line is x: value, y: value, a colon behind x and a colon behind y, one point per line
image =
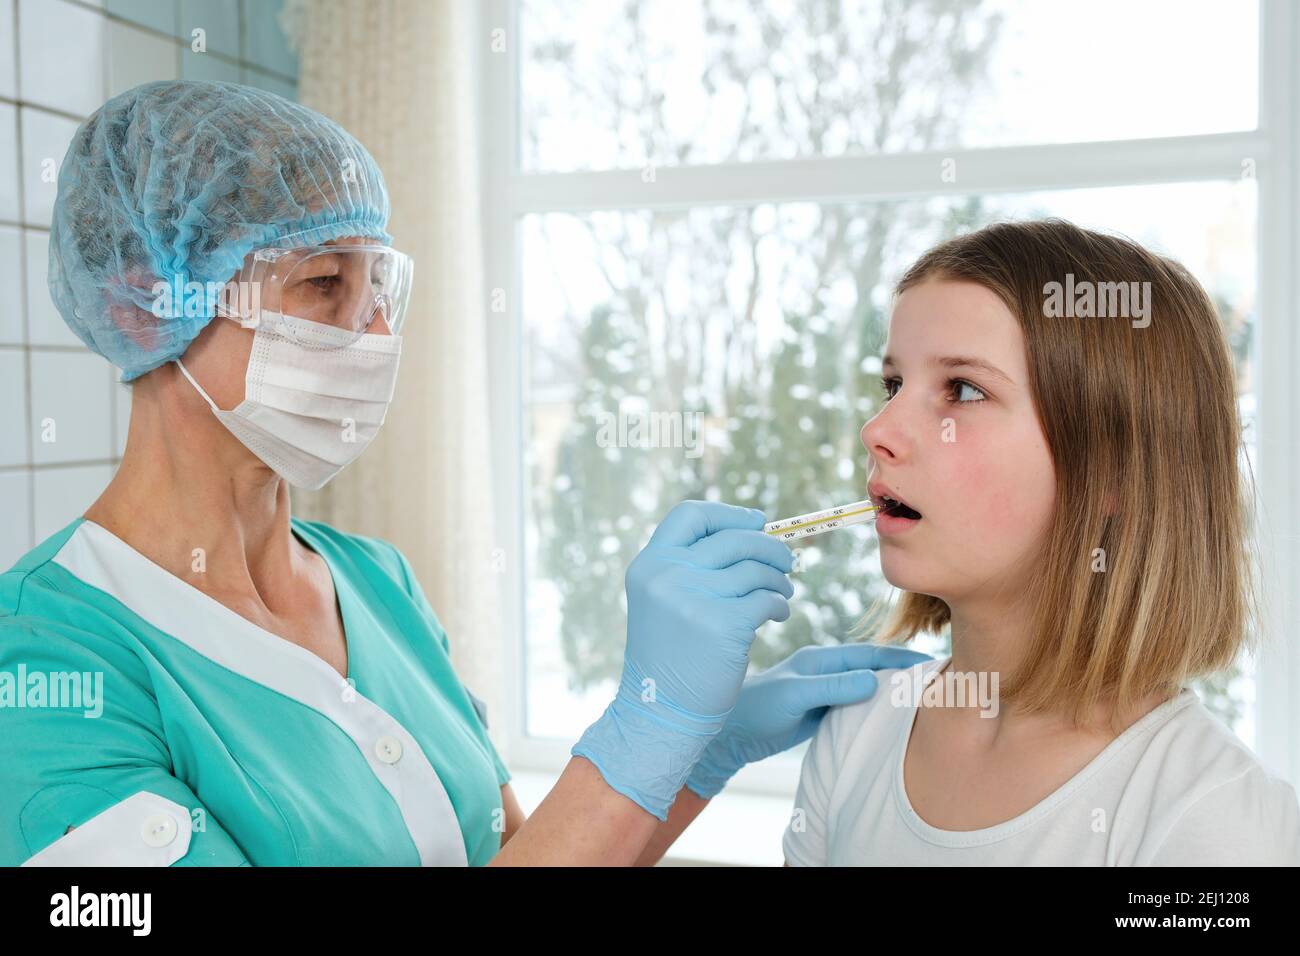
x: 339, y: 292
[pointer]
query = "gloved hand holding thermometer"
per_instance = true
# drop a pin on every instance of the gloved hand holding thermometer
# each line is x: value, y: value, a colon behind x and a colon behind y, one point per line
x: 696, y: 594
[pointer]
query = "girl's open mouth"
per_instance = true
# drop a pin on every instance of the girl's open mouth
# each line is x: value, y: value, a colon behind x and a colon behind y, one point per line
x: 890, y: 504
x: 895, y: 514
x: 897, y: 509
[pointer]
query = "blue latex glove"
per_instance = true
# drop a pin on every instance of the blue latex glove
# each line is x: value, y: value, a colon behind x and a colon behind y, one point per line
x: 782, y: 706
x: 708, y: 578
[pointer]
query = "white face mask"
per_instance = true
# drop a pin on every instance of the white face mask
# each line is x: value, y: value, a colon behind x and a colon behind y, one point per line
x: 308, y: 412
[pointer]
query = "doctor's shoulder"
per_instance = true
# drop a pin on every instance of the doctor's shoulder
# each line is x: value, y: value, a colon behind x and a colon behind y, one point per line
x: 46, y: 611
x: 1205, y: 799
x: 25, y: 583
x: 56, y: 630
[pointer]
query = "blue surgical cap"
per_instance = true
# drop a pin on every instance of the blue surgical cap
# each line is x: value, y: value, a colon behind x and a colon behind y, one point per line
x: 176, y: 182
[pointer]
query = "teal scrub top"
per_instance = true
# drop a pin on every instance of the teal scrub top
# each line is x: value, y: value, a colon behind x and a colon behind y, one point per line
x: 142, y: 722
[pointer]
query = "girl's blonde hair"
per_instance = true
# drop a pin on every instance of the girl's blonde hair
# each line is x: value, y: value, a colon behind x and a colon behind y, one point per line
x: 1144, y: 433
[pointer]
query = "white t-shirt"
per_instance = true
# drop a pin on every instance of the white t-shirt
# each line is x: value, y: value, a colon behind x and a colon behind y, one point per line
x: 1176, y: 788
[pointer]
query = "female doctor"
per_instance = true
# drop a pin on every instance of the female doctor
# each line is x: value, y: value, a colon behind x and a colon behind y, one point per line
x: 195, y: 677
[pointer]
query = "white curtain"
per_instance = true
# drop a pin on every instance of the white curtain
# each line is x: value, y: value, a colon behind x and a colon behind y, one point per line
x: 398, y: 75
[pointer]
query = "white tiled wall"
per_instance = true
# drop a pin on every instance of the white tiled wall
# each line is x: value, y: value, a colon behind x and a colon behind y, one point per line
x: 63, y: 415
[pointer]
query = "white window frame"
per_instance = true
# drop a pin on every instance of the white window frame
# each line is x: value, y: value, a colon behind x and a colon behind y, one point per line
x: 508, y: 195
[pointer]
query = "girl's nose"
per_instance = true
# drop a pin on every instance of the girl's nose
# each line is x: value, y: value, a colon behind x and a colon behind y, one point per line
x: 881, y: 436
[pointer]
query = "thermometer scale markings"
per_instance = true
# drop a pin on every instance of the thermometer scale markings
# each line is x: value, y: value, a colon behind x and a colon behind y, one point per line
x: 817, y: 522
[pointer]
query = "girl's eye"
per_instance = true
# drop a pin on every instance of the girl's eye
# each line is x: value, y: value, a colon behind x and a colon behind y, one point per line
x: 960, y: 388
x: 965, y: 392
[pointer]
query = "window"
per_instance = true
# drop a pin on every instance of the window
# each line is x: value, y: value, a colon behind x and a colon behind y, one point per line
x: 696, y: 213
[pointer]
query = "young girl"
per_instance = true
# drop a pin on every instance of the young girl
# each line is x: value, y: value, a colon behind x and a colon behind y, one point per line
x: 1058, y: 458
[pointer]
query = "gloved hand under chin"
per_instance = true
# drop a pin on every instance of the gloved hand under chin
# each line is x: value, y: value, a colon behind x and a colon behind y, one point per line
x: 783, y: 706
x: 696, y: 594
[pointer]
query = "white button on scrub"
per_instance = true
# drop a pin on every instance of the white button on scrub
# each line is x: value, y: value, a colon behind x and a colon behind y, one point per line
x: 388, y: 749
x: 159, y: 829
